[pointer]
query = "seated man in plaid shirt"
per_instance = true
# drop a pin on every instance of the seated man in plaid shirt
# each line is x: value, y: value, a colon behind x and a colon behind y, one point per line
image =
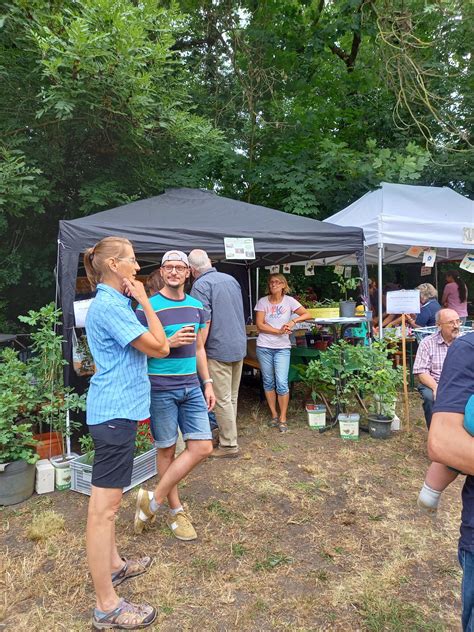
x: 431, y: 355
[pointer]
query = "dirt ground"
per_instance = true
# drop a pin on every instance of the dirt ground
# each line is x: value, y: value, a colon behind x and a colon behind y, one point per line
x: 303, y: 532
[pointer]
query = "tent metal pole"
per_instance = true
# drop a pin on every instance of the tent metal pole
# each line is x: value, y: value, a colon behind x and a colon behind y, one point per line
x: 257, y: 283
x: 56, y: 303
x: 380, y: 281
x: 250, y: 319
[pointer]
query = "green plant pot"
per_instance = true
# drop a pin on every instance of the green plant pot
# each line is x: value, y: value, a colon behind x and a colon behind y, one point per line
x: 380, y: 427
x: 17, y: 482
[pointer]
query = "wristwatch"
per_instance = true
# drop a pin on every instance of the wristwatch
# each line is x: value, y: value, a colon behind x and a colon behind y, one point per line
x: 209, y: 381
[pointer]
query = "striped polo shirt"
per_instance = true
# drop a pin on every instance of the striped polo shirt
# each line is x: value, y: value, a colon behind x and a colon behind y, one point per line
x: 178, y: 369
x: 120, y: 388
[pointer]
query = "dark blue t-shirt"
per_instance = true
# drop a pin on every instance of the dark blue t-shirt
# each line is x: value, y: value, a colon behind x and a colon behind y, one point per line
x: 427, y: 315
x: 456, y: 385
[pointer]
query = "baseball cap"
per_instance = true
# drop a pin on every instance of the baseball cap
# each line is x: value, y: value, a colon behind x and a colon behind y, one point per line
x: 175, y: 255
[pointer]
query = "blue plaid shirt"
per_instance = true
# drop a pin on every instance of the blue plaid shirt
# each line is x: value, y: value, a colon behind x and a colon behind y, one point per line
x: 120, y: 388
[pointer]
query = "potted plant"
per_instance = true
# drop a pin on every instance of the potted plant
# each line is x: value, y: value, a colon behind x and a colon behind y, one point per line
x: 17, y: 445
x: 144, y: 462
x: 333, y: 378
x: 347, y: 306
x: 323, y: 309
x: 380, y: 382
x: 54, y: 399
x: 82, y: 359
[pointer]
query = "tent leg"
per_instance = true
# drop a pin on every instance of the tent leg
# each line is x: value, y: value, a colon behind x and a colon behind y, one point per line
x: 380, y: 281
x: 250, y: 319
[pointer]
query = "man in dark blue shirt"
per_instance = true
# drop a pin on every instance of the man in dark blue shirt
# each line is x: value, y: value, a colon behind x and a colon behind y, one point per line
x: 451, y: 444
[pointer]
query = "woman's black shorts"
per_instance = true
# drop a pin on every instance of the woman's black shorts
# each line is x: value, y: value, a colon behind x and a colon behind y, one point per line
x: 114, y: 443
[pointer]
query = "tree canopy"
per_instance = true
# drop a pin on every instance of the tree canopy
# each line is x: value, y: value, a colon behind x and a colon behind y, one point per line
x: 301, y: 105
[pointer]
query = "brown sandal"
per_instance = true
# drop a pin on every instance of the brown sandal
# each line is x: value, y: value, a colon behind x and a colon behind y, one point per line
x: 126, y: 616
x: 131, y: 568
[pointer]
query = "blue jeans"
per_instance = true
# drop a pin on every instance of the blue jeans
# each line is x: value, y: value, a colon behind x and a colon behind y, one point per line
x: 466, y: 559
x: 275, y: 365
x: 185, y: 408
x: 428, y: 401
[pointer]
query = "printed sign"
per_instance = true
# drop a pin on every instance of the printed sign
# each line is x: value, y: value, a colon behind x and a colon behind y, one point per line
x: 426, y: 271
x: 468, y: 235
x: 347, y: 272
x: 429, y: 257
x: 274, y: 269
x: 414, y: 251
x: 286, y: 268
x: 239, y: 248
x: 309, y: 268
x: 403, y: 302
x: 468, y: 262
x: 339, y: 270
x: 80, y: 311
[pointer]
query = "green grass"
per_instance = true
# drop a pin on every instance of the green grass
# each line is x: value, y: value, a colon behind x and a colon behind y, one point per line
x: 383, y: 613
x: 204, y: 564
x: 272, y: 561
x: 238, y: 550
x: 217, y: 508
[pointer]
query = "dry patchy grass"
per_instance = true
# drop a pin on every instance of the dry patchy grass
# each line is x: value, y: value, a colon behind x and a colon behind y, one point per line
x: 304, y: 533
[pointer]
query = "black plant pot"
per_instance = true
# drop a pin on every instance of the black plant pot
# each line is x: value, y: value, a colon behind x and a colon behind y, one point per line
x: 380, y: 426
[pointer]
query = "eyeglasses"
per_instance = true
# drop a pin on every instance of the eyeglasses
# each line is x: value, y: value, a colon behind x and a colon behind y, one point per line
x: 276, y: 282
x: 130, y: 259
x: 453, y: 323
x: 179, y: 269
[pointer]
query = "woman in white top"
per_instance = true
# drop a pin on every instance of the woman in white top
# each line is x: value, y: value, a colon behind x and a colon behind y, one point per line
x: 275, y: 321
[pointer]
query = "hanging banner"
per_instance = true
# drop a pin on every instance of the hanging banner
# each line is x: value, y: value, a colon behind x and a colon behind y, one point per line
x: 429, y: 257
x: 414, y: 251
x: 468, y: 262
x: 468, y: 235
x: 239, y: 248
x: 403, y: 302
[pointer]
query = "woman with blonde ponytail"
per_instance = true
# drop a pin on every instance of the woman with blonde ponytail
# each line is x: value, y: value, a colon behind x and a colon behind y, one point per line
x: 118, y: 397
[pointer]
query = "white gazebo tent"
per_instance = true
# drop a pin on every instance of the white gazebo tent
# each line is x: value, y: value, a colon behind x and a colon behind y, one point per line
x: 397, y: 216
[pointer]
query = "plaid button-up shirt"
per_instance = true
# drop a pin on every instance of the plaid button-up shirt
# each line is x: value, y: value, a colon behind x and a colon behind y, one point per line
x: 431, y: 355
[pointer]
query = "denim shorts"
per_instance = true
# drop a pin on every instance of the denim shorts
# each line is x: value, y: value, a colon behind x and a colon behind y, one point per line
x: 114, y: 443
x: 275, y: 366
x: 185, y: 408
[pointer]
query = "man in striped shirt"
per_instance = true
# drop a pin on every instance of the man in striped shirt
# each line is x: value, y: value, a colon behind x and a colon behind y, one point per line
x: 431, y: 355
x: 176, y: 396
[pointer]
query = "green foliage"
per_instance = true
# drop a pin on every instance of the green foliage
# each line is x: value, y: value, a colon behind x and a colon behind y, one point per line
x: 17, y: 400
x: 344, y: 285
x: 379, y: 380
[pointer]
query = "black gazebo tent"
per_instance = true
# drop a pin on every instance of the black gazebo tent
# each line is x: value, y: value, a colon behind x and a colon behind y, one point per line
x: 192, y: 218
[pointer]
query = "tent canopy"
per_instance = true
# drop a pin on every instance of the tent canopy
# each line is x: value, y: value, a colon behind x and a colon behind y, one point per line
x: 398, y: 216
x: 192, y: 218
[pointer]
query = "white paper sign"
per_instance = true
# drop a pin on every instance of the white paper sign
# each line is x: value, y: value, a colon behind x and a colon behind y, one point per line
x: 414, y: 251
x: 274, y: 269
x: 80, y: 311
x: 426, y: 271
x: 429, y: 257
x: 403, y: 302
x: 239, y: 248
x: 286, y: 268
x: 468, y: 262
x: 468, y: 235
x: 309, y: 268
x: 347, y: 272
x: 339, y: 270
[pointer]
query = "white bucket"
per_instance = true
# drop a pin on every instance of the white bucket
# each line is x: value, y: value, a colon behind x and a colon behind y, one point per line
x: 62, y: 470
x: 316, y: 416
x: 349, y: 426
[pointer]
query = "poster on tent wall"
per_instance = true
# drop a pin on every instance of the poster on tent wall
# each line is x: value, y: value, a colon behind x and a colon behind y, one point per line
x: 239, y: 248
x: 403, y: 302
x: 468, y: 262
